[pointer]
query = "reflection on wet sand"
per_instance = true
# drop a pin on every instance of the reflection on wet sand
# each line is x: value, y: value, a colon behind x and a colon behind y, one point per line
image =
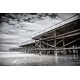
x: 22, y: 59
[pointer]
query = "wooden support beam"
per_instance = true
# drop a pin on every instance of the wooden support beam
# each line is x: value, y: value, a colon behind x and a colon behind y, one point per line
x: 71, y: 48
x: 74, y: 31
x: 36, y: 43
x: 48, y: 44
x: 72, y: 42
x: 40, y: 46
x: 65, y: 36
x: 63, y: 41
x: 64, y: 51
x: 59, y: 42
x: 35, y: 47
x: 55, y: 51
x: 60, y: 36
x: 70, y: 35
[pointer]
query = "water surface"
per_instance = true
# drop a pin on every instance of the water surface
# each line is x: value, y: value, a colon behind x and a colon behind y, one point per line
x: 26, y: 59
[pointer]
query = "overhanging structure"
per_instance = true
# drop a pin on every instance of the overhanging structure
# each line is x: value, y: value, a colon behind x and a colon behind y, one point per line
x: 65, y: 37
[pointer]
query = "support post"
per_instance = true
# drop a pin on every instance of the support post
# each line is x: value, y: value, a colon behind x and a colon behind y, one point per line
x: 47, y: 47
x: 64, y: 52
x: 55, y: 51
x: 40, y: 46
x: 35, y: 47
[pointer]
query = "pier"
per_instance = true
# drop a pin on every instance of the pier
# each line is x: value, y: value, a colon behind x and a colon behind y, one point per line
x: 63, y: 39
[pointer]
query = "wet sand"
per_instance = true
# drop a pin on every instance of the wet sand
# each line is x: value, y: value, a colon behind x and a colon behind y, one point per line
x: 23, y: 59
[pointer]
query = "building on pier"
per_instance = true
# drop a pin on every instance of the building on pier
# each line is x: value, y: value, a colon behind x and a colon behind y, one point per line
x: 64, y: 38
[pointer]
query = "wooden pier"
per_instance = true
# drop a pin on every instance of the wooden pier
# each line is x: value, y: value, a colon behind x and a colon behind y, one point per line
x: 65, y: 38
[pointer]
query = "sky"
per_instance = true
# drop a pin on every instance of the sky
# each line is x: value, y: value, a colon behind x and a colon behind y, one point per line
x: 16, y: 28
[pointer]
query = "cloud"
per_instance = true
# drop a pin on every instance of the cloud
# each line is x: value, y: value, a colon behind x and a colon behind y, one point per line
x: 8, y: 36
x: 18, y: 28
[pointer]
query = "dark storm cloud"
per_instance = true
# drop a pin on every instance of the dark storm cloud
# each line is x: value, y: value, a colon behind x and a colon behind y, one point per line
x: 24, y: 17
